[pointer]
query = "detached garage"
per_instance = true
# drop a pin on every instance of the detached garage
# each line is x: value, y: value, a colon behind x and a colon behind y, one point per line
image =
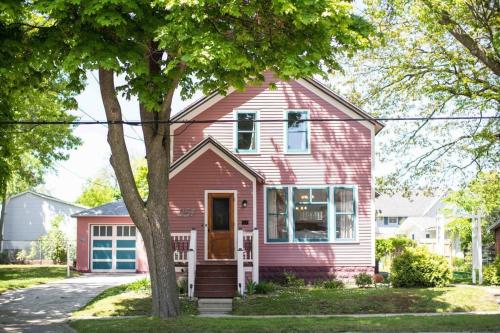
x: 108, y: 241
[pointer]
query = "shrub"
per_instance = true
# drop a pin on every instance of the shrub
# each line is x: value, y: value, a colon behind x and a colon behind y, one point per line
x: 291, y: 280
x: 182, y: 286
x: 333, y: 284
x: 491, y: 273
x: 378, y: 278
x: 417, y: 267
x: 363, y: 280
x: 265, y: 287
x: 21, y: 256
x: 251, y: 285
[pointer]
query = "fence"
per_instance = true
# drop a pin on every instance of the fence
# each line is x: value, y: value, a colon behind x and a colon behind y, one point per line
x: 38, y: 251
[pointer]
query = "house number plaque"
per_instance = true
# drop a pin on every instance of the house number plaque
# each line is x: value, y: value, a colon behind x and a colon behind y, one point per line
x: 186, y: 212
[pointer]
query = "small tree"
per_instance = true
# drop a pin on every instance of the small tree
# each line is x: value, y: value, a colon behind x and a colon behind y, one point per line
x: 53, y: 244
x: 391, y: 247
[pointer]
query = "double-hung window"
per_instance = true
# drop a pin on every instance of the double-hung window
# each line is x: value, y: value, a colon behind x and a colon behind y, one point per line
x: 310, y: 214
x: 277, y: 214
x: 345, y: 213
x: 297, y: 132
x: 246, y: 132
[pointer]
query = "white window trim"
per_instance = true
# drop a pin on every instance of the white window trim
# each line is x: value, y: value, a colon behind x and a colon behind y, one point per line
x: 257, y: 132
x: 331, y: 213
x: 285, y: 133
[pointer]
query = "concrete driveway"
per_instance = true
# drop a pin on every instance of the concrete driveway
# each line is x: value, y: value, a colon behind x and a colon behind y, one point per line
x: 44, y: 308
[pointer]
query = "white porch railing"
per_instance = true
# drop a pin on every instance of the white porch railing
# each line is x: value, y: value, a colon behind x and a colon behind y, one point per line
x: 180, y: 246
x: 248, y: 251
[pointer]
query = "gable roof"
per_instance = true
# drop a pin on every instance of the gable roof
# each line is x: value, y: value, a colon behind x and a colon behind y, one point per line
x: 116, y: 208
x: 397, y: 205
x: 46, y: 197
x: 310, y: 83
x: 210, y: 143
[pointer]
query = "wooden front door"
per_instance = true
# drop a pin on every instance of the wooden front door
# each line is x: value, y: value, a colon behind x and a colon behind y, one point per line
x: 220, y: 226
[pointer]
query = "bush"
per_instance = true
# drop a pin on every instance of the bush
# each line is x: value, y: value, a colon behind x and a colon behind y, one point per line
x: 378, y: 278
x: 417, y: 267
x: 291, y: 280
x: 333, y: 284
x: 182, y: 286
x: 265, y: 288
x: 491, y: 273
x: 462, y: 265
x: 363, y: 280
x: 251, y: 285
x: 21, y: 256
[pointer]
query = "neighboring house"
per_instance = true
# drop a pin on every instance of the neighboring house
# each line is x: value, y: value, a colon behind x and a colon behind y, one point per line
x: 495, y: 228
x: 265, y: 197
x: 417, y: 217
x: 28, y: 216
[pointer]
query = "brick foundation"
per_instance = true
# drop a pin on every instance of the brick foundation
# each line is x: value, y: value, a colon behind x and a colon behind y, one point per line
x: 313, y: 273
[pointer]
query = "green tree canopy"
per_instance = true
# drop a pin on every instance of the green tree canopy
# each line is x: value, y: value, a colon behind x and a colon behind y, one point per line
x: 432, y: 58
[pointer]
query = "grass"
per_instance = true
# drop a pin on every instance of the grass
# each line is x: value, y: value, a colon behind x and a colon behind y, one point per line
x: 373, y: 300
x: 253, y: 325
x: 22, y: 276
x: 133, y: 299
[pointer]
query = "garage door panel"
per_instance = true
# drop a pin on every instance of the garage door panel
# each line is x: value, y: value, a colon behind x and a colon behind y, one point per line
x: 102, y: 254
x: 102, y: 243
x: 122, y: 243
x: 102, y: 265
x: 113, y: 248
x: 129, y: 265
x: 125, y: 254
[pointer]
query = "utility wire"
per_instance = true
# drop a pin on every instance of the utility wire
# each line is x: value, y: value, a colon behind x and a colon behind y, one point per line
x: 209, y: 121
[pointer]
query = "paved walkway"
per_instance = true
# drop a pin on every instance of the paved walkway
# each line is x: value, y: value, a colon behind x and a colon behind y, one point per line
x: 44, y: 308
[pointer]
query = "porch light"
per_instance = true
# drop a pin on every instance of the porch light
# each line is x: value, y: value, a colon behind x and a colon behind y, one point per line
x: 244, y: 204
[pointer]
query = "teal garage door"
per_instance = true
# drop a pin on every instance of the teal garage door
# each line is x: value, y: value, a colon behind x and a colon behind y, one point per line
x: 113, y: 248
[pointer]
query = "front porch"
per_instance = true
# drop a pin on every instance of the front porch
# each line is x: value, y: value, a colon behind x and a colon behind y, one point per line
x: 213, y: 278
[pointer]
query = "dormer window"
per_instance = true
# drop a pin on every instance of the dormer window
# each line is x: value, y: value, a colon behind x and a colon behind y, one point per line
x: 246, y: 132
x: 297, y: 132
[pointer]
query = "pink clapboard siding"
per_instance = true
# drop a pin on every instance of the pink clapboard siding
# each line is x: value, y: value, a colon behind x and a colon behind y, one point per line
x: 83, y: 255
x: 187, y: 191
x: 341, y: 153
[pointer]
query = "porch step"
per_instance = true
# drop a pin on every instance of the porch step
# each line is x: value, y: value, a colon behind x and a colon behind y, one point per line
x: 215, y: 306
x: 215, y: 281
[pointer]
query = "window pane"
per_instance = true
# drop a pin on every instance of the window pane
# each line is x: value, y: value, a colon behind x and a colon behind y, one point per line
x: 301, y: 194
x: 110, y: 231
x: 246, y: 121
x: 96, y: 230
x: 295, y: 121
x: 126, y: 231
x: 102, y: 231
x: 246, y: 141
x: 319, y: 195
x: 297, y: 141
x: 132, y: 231
x: 344, y: 226
x: 277, y: 228
x: 276, y: 201
x: 344, y: 200
x: 220, y: 214
x: 311, y: 222
x: 393, y: 220
x: 119, y: 231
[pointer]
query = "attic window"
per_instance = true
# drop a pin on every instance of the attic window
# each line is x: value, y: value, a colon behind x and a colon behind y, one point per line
x: 297, y: 132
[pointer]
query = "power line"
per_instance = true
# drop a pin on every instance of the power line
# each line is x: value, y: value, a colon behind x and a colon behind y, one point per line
x: 208, y: 121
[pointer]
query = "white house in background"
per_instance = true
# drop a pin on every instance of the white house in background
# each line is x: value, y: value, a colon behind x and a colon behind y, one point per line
x: 28, y: 216
x: 417, y: 217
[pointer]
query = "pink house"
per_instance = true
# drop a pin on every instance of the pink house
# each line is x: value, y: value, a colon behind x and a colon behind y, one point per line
x: 252, y: 196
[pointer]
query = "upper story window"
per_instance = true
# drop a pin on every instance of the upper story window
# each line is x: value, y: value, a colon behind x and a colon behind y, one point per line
x: 246, y: 132
x: 297, y: 132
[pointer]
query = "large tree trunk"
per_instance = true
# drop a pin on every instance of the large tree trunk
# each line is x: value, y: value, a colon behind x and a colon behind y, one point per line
x: 150, y: 217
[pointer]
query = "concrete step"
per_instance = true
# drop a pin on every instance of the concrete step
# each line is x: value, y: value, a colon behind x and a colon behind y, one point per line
x: 215, y: 306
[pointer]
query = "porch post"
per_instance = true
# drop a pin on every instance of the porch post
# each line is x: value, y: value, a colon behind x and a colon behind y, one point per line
x: 191, y: 263
x: 255, y: 255
x: 240, y: 266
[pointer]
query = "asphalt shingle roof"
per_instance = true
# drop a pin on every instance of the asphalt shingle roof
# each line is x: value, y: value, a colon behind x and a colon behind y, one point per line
x: 397, y: 205
x: 116, y: 208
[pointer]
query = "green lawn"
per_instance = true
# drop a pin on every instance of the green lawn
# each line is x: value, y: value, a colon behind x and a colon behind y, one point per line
x: 253, y: 325
x: 22, y: 276
x: 133, y: 299
x: 374, y: 300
